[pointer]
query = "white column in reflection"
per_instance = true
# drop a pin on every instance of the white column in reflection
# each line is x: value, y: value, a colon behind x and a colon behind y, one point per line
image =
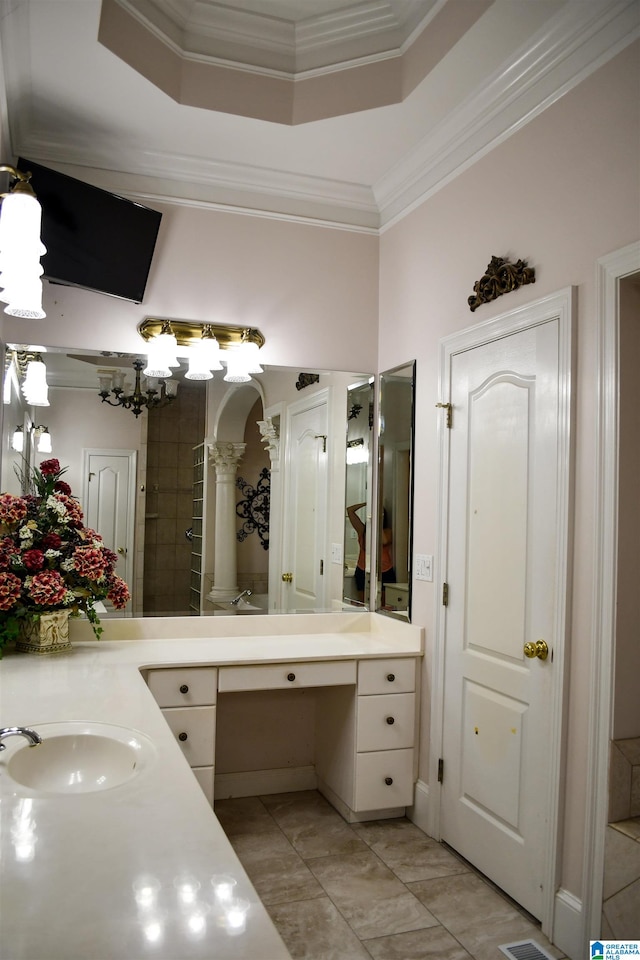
x: 225, y: 456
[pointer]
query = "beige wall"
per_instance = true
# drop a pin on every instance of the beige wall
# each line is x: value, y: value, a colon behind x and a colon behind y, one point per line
x: 560, y: 193
x: 312, y: 291
x: 626, y: 708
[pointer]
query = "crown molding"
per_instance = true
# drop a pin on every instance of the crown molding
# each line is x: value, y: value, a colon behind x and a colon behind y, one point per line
x: 250, y: 39
x: 574, y: 43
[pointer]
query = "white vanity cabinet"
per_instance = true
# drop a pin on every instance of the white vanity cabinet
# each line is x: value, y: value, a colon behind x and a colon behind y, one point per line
x: 187, y: 697
x: 385, y: 734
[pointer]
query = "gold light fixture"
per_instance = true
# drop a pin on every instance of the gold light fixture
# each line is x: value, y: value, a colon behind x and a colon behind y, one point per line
x: 21, y: 247
x: 207, y: 345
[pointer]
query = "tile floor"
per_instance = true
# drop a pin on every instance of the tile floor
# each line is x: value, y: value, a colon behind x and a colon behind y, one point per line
x: 381, y: 890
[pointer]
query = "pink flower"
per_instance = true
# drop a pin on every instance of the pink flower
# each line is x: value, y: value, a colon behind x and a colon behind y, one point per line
x: 89, y: 562
x: 118, y: 593
x: 47, y: 588
x: 10, y: 587
x: 7, y: 550
x: 49, y: 467
x: 33, y: 560
x: 12, y: 509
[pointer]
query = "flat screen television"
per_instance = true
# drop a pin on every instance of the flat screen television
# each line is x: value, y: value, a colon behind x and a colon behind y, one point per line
x: 94, y: 239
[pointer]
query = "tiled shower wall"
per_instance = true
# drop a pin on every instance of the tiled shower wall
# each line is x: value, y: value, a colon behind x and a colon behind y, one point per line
x: 621, y: 893
x: 173, y: 432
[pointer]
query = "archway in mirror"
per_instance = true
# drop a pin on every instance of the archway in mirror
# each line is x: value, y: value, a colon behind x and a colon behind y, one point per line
x: 165, y: 576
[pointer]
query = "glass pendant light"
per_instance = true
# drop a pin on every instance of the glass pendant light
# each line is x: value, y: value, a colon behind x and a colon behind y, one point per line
x: 21, y: 249
x: 35, y: 387
x: 162, y: 353
x: 204, y: 356
x: 236, y: 366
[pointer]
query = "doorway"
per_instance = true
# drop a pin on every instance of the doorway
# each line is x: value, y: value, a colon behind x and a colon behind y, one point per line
x: 504, y: 553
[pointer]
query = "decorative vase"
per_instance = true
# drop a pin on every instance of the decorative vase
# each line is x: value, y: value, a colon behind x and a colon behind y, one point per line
x: 47, y: 634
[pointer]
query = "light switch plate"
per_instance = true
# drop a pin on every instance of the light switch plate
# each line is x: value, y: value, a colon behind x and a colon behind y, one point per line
x: 336, y: 553
x: 424, y: 566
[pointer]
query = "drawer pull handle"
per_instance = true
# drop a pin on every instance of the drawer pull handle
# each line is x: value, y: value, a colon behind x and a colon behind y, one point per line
x: 291, y: 677
x: 182, y: 736
x: 388, y: 781
x: 184, y: 688
x: 390, y: 720
x: 391, y: 677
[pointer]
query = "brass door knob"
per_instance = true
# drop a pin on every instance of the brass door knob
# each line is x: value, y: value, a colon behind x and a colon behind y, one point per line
x: 287, y: 577
x: 538, y: 649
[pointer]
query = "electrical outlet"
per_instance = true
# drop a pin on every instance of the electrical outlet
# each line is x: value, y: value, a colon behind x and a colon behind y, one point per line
x: 424, y: 567
x: 336, y: 553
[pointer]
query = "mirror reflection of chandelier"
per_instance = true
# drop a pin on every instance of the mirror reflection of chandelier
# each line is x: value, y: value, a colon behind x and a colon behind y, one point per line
x: 115, y: 390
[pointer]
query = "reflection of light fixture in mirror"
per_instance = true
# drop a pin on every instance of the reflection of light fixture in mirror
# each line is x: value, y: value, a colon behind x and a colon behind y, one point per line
x: 238, y: 347
x: 21, y: 248
x: 34, y: 385
x: 155, y: 394
x: 17, y: 440
x: 43, y: 439
x: 356, y: 451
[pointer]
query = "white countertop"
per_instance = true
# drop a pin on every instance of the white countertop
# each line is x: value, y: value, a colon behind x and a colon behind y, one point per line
x: 76, y: 870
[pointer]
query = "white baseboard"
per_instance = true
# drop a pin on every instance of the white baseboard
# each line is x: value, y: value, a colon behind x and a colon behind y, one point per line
x: 254, y: 783
x: 568, y: 925
x: 419, y: 812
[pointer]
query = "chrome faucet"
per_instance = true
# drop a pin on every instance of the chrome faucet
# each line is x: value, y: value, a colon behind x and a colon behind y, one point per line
x: 236, y: 600
x: 31, y: 735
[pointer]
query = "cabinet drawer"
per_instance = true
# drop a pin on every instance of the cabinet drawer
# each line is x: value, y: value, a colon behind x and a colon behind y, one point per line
x: 204, y: 776
x: 385, y: 722
x: 386, y: 676
x: 384, y: 779
x: 183, y: 686
x: 195, y: 730
x: 279, y: 676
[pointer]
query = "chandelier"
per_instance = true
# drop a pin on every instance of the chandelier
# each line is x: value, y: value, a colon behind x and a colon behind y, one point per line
x: 115, y: 391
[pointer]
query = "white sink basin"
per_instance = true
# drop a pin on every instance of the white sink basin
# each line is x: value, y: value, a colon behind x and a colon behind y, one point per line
x: 76, y: 757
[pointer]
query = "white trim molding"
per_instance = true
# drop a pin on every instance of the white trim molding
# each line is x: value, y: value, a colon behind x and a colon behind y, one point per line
x: 609, y: 272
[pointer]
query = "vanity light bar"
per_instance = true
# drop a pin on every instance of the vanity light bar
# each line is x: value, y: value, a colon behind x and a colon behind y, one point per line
x: 189, y: 332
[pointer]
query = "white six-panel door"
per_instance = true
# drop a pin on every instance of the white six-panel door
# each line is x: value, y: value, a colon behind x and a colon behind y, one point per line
x: 505, y: 556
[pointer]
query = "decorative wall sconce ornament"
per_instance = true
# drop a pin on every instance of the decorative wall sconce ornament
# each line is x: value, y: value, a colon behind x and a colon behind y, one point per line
x: 21, y: 247
x: 254, y: 509
x: 501, y: 277
x: 156, y: 393
x: 207, y: 345
x: 306, y: 379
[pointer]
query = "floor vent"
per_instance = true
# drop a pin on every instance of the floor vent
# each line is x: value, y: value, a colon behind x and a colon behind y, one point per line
x: 525, y: 950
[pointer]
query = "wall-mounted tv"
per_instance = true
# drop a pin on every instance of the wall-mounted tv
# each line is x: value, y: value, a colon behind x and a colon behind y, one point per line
x: 94, y: 239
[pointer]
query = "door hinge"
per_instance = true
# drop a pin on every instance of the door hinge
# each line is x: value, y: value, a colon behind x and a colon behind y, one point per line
x: 445, y: 594
x: 322, y: 568
x: 323, y: 437
x: 440, y: 770
x: 449, y: 409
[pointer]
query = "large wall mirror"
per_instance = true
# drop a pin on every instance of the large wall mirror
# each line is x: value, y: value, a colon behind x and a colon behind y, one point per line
x: 395, y: 491
x: 228, y: 500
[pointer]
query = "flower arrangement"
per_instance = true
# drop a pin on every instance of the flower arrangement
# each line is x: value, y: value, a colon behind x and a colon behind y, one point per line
x: 48, y: 559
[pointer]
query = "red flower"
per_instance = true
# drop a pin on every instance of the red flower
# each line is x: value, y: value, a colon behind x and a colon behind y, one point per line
x: 12, y: 509
x: 47, y: 588
x: 61, y: 487
x: 89, y: 562
x: 49, y: 467
x: 51, y: 541
x: 33, y: 560
x: 10, y: 587
x: 118, y: 593
x: 7, y: 550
